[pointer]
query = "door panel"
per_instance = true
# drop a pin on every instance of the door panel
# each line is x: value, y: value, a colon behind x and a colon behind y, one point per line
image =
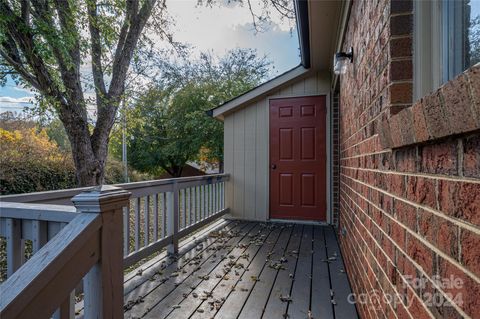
x: 298, y: 158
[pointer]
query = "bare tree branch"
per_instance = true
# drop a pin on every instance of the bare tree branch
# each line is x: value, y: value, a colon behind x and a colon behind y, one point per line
x: 96, y: 45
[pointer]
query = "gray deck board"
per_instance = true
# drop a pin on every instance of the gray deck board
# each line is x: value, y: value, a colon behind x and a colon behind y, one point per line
x: 228, y: 284
x: 183, y: 295
x: 340, y: 285
x: 258, y: 297
x: 322, y: 306
x: 159, y: 289
x: 233, y: 305
x: 300, y: 305
x: 311, y: 274
x: 133, y: 281
x: 282, y: 287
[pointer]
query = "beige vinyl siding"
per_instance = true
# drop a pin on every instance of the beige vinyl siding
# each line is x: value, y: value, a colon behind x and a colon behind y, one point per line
x: 246, y: 133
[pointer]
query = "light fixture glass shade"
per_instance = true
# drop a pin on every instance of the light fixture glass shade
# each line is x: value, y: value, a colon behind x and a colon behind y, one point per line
x: 341, y: 61
x: 340, y: 64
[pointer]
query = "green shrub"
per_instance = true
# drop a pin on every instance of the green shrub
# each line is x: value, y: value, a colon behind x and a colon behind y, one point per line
x: 31, y: 162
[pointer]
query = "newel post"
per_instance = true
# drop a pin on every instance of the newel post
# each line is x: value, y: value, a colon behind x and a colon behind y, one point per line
x: 103, y: 284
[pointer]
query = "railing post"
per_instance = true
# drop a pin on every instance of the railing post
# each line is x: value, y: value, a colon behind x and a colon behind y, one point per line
x: 103, y: 285
x: 15, y: 245
x: 172, y: 218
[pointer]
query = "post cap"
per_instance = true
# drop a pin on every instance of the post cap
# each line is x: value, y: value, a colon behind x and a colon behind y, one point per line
x: 101, y: 198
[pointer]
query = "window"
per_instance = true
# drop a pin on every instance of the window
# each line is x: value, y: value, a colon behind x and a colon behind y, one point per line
x: 446, y: 41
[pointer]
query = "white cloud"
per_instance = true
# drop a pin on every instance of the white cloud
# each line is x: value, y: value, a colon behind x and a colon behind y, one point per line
x: 224, y: 27
x: 11, y: 104
x: 218, y: 29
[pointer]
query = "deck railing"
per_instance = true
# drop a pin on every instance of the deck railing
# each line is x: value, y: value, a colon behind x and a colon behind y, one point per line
x: 158, y: 214
x: 87, y: 246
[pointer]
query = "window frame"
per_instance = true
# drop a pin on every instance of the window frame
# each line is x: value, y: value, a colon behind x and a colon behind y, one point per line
x: 438, y: 51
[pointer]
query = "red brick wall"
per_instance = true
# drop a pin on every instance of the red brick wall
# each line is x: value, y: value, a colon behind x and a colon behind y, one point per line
x: 409, y: 176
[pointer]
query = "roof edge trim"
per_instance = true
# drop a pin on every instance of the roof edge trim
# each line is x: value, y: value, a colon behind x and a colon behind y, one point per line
x: 303, y: 30
x: 258, y: 91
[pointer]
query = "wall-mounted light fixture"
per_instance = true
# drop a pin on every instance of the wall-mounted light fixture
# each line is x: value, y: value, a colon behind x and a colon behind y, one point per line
x: 341, y: 61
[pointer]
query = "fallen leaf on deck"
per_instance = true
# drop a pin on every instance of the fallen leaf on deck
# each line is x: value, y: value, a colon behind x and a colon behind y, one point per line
x: 285, y: 298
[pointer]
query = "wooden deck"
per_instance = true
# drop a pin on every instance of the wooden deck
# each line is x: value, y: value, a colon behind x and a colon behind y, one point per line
x: 245, y: 270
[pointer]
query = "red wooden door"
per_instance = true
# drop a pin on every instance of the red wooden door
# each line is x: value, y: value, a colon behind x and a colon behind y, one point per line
x: 298, y: 158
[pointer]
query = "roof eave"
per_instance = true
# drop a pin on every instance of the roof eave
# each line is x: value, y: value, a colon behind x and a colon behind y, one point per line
x: 303, y: 30
x: 258, y: 92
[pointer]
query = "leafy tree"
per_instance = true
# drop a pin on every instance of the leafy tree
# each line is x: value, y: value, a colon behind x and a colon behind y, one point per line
x: 474, y: 38
x: 169, y: 125
x: 45, y: 45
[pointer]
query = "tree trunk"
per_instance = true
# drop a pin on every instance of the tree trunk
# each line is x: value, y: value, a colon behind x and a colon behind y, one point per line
x: 90, y: 170
x: 89, y: 160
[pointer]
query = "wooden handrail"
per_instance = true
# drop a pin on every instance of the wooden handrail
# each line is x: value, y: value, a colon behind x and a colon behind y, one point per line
x: 53, y: 213
x: 157, y: 204
x: 33, y: 290
x: 64, y: 196
x: 89, y: 247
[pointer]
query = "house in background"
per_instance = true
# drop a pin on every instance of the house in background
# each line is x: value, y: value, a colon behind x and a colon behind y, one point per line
x: 371, y: 161
x: 387, y: 148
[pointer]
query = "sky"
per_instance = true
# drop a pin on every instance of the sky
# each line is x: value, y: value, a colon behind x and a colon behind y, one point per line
x: 217, y: 29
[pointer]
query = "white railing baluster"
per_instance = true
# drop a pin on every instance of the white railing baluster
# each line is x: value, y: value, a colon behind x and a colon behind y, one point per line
x: 184, y: 211
x: 215, y: 190
x: 155, y: 217
x: 177, y: 206
x: 52, y: 229
x: 197, y: 203
x: 137, y: 223
x: 173, y: 212
x: 194, y: 204
x: 223, y: 195
x: 189, y: 204
x: 164, y: 215
x: 210, y: 199
x: 204, y: 199
x: 15, y: 247
x: 126, y: 230
x: 146, y: 220
x: 39, y: 235
x: 67, y: 308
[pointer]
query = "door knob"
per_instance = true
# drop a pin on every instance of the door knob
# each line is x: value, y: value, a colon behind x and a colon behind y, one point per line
x: 273, y: 166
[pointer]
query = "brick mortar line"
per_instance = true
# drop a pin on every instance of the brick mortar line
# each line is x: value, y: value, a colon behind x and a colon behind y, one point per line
x: 370, y: 121
x: 372, y: 287
x: 389, y: 59
x: 363, y: 141
x: 418, y: 267
x: 366, y: 154
x: 424, y: 175
x: 456, y: 221
x: 359, y: 256
x: 356, y: 267
x: 380, y: 92
x: 370, y: 52
x: 420, y: 238
x: 388, y: 258
x: 390, y: 83
x: 384, y: 109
